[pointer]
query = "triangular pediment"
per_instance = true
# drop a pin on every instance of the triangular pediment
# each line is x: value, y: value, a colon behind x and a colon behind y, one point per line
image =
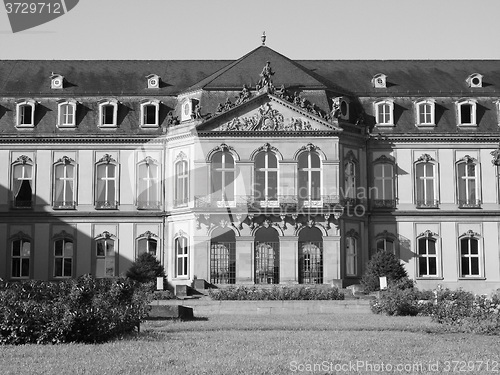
x: 245, y: 71
x: 267, y: 113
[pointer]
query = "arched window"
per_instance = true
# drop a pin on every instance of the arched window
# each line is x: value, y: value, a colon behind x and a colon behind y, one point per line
x: 425, y: 112
x: 267, y: 256
x: 470, y: 253
x: 150, y: 113
x: 67, y: 113
x: 108, y: 113
x: 148, y: 191
x: 106, y: 192
x: 425, y: 182
x: 383, y: 181
x: 468, y: 183
x: 351, y: 253
x: 105, y: 255
x: 427, y: 255
x: 182, y: 256
x: 181, y: 183
x: 310, y: 256
x: 309, y: 184
x: 384, y: 112
x: 64, y: 183
x: 22, y: 182
x: 223, y: 173
x: 25, y: 113
x: 63, y: 255
x: 20, y: 256
x: 386, y: 241
x: 266, y: 177
x: 147, y: 243
x: 223, y: 257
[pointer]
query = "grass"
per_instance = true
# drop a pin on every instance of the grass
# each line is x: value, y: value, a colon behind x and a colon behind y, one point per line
x: 262, y: 344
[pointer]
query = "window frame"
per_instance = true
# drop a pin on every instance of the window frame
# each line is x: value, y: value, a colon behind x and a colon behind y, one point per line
x: 20, y: 116
x: 379, y: 113
x: 468, y: 203
x: 384, y: 202
x: 419, y: 105
x: 470, y: 235
x: 64, y: 161
x: 223, y: 170
x: 22, y: 161
x: 353, y: 237
x: 156, y: 104
x: 106, y: 160
x: 181, y: 257
x: 23, y: 238
x: 147, y: 236
x: 310, y: 200
x: 181, y: 185
x: 351, y: 180
x: 267, y: 200
x: 105, y: 237
x: 428, y: 236
x: 149, y: 204
x: 60, y: 114
x: 426, y: 203
x: 65, y: 238
x: 386, y: 237
x: 473, y: 114
x: 104, y: 103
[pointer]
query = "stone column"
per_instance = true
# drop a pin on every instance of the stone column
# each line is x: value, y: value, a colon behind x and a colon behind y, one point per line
x: 331, y: 259
x: 244, y: 260
x: 201, y: 258
x: 289, y: 264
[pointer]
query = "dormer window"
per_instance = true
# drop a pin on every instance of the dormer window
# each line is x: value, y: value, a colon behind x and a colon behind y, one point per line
x: 424, y: 111
x: 56, y: 81
x: 474, y: 80
x: 379, y: 81
x: 150, y: 110
x: 384, y: 112
x: 25, y: 113
x: 188, y: 109
x: 466, y: 112
x: 108, y: 113
x: 67, y: 114
x: 341, y: 106
x: 153, y: 81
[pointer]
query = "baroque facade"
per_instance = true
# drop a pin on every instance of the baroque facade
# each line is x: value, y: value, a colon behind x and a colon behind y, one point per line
x: 262, y: 170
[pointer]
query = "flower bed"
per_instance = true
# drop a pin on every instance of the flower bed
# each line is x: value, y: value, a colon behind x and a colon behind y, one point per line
x: 284, y: 293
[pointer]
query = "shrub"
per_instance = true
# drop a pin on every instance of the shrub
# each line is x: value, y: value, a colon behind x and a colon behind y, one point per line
x: 383, y: 263
x: 82, y: 310
x: 284, y: 293
x: 146, y: 269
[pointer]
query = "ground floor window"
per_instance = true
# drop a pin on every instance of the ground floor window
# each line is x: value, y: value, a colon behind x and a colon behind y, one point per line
x: 222, y: 262
x: 310, y: 256
x: 21, y: 253
x: 427, y: 257
x: 267, y: 263
x: 469, y: 257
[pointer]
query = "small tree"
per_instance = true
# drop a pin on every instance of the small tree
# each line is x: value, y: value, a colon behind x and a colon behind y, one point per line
x: 146, y: 269
x: 383, y: 263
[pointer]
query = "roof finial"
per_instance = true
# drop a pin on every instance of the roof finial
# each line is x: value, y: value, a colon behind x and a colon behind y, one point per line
x: 263, y: 38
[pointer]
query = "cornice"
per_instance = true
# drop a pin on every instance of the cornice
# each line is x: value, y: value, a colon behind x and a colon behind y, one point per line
x: 267, y: 134
x: 77, y: 138
x: 449, y: 137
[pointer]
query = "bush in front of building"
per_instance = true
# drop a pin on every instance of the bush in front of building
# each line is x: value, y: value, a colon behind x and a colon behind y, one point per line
x: 468, y: 312
x: 383, y: 263
x: 146, y: 269
x: 85, y: 310
x: 284, y: 293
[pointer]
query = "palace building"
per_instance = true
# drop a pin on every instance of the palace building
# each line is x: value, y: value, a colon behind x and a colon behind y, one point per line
x: 261, y: 170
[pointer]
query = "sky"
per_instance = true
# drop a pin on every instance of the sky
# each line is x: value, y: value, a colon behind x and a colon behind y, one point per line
x: 228, y: 29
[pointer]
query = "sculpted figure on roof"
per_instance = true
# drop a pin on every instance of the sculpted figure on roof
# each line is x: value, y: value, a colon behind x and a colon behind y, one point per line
x: 265, y: 75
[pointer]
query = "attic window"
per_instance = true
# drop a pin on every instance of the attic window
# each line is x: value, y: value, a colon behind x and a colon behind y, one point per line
x: 108, y: 111
x: 25, y: 113
x: 67, y: 114
x: 153, y: 81
x: 57, y: 81
x: 150, y: 111
x: 466, y: 112
x: 379, y: 81
x: 475, y: 80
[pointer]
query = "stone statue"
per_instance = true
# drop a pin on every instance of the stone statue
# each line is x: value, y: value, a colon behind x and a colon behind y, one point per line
x: 265, y: 75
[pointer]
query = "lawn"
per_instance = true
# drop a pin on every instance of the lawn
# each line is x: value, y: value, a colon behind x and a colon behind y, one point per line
x: 269, y: 344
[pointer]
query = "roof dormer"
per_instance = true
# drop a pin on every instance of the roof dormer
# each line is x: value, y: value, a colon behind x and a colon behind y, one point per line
x: 474, y: 80
x: 153, y: 81
x: 379, y: 81
x: 56, y: 81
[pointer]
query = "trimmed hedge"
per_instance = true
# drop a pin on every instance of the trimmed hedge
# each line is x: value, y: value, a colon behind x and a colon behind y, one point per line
x: 275, y: 293
x: 77, y: 310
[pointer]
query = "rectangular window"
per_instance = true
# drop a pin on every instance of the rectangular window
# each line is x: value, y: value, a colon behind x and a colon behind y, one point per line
x: 427, y: 257
x: 181, y: 251
x: 469, y: 257
x: 467, y: 185
x: 22, y: 185
x: 466, y: 114
x: 106, y: 186
x: 21, y: 253
x: 351, y: 253
x: 383, y: 193
x: 64, y: 183
x: 148, y: 186
x: 425, y: 185
x: 384, y: 114
x: 267, y: 263
x: 105, y: 257
x: 108, y: 114
x: 223, y: 262
x: 425, y: 116
x: 146, y: 245
x: 63, y: 258
x: 149, y: 113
